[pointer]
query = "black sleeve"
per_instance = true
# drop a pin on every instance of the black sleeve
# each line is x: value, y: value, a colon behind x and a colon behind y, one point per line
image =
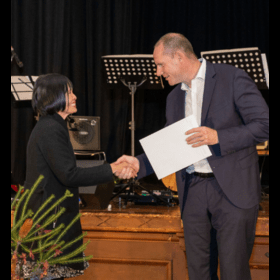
x: 55, y: 146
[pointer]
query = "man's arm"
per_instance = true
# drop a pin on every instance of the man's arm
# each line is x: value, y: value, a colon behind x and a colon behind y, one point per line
x: 253, y: 112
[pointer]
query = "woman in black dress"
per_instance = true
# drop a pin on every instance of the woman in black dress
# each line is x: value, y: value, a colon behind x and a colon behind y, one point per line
x: 50, y: 153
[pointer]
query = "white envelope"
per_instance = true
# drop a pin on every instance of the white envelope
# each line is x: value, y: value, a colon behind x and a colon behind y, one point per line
x: 168, y: 151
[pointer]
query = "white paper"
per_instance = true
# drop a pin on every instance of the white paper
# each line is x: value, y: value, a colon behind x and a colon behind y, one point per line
x: 265, y: 68
x: 21, y: 88
x: 168, y: 151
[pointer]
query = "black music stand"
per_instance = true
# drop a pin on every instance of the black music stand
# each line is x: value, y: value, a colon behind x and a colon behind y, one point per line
x: 250, y: 60
x: 132, y: 71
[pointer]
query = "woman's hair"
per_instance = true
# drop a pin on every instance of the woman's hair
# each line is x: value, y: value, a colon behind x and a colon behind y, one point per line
x: 49, y: 94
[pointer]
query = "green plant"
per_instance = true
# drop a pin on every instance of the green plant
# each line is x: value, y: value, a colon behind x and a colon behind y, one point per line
x: 29, y: 234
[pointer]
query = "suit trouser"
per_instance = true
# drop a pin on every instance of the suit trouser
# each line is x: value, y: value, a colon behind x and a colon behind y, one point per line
x: 206, y: 211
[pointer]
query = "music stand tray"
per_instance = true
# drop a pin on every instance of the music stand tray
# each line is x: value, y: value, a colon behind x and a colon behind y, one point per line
x: 22, y: 89
x: 248, y: 59
x: 131, y: 68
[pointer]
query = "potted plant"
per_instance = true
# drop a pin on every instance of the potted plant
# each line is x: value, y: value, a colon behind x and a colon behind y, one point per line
x: 31, y: 240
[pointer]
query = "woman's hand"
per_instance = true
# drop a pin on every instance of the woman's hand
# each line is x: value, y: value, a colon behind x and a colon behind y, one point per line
x: 123, y: 170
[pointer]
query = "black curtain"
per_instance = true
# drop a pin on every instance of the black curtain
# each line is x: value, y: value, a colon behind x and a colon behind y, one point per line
x: 70, y: 36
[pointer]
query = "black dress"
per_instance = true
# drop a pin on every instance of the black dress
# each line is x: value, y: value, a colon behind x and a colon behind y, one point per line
x: 50, y: 153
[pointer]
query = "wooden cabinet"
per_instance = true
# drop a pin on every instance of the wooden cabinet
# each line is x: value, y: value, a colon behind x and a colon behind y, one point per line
x: 147, y: 242
x: 139, y: 244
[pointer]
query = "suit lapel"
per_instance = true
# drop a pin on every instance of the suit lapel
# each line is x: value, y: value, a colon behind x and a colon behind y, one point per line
x: 210, y: 82
x: 181, y: 100
x: 177, y: 105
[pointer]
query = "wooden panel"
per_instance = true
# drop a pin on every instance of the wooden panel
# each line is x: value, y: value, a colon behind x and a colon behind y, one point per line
x: 259, y: 260
x: 131, y: 222
x: 262, y: 227
x: 258, y: 274
x: 141, y: 236
x: 116, y: 269
x: 135, y: 256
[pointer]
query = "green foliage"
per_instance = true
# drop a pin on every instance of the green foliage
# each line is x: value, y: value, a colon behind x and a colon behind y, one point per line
x: 29, y: 234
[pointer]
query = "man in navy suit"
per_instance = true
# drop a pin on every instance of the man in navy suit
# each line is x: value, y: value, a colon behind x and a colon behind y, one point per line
x: 220, y: 194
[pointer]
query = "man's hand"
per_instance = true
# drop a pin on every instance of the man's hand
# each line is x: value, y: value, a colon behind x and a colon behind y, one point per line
x: 132, y: 161
x: 123, y: 170
x: 202, y: 136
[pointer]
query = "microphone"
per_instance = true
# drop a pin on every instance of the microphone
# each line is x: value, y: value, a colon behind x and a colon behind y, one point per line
x: 14, y: 56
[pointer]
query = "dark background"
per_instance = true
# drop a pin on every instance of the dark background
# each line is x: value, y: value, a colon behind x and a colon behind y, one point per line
x: 70, y: 36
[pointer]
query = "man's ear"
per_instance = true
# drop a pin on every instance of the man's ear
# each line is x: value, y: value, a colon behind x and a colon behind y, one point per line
x: 179, y: 55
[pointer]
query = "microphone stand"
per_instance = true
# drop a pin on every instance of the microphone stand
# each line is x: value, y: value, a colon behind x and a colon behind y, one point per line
x: 133, y: 89
x: 15, y: 56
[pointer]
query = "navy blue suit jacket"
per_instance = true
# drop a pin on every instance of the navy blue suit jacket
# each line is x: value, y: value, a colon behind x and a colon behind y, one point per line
x: 234, y: 107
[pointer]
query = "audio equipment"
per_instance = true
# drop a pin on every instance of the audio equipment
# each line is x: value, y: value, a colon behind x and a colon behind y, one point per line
x: 84, y: 132
x: 98, y: 196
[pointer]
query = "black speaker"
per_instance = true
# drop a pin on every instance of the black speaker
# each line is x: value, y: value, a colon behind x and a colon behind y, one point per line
x: 84, y: 132
x: 98, y: 196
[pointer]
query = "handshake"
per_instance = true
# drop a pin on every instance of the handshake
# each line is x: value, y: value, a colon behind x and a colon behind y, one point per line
x: 126, y: 167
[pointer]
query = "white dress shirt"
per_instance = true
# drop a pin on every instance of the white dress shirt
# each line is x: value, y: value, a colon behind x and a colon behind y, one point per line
x: 193, y: 106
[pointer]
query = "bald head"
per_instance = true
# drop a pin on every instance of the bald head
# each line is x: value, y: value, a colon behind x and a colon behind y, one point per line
x: 175, y: 59
x: 172, y: 42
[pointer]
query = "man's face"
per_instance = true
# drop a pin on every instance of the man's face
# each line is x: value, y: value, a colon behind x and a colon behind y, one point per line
x: 167, y: 66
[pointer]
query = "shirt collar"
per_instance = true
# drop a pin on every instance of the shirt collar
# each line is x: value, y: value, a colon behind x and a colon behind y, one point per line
x: 200, y: 74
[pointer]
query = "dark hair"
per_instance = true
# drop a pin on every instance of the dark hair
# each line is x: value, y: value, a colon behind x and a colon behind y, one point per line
x: 176, y: 41
x: 49, y: 94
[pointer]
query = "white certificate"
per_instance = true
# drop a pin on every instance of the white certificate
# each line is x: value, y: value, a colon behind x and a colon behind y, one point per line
x: 168, y: 151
